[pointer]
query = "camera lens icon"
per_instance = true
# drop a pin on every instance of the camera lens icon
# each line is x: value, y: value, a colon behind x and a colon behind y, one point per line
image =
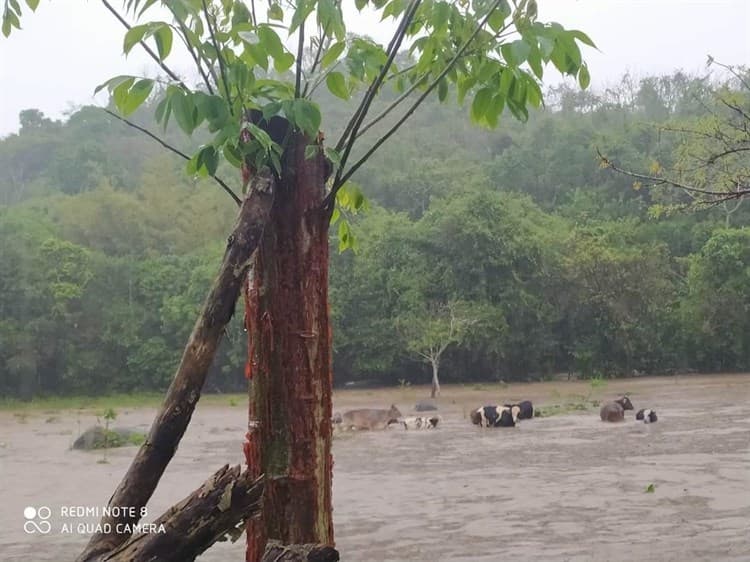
x: 37, y: 520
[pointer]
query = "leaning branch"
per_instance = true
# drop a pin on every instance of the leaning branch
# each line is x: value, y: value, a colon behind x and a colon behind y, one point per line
x: 219, y: 56
x: 350, y: 131
x: 172, y: 420
x: 171, y: 148
x: 349, y: 136
x: 741, y: 190
x: 342, y: 180
x: 219, y: 508
x: 300, y: 53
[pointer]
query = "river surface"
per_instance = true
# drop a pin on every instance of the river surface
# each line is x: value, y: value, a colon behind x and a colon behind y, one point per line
x: 565, y: 488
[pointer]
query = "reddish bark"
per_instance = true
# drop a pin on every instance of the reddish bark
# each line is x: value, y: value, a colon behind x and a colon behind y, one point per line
x: 289, y: 363
x: 173, y: 417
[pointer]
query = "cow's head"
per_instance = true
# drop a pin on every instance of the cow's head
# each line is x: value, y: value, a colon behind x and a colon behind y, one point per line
x: 625, y: 402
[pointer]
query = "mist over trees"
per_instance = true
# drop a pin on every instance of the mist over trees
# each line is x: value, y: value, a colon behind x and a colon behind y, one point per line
x: 555, y: 263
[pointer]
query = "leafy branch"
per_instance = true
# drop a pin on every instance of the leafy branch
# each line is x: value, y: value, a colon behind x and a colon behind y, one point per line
x: 176, y: 151
x: 341, y: 179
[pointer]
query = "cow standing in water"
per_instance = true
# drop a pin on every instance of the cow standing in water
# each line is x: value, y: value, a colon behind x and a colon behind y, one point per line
x: 615, y: 411
x: 495, y: 416
x: 370, y: 418
x: 646, y: 416
x: 526, y: 409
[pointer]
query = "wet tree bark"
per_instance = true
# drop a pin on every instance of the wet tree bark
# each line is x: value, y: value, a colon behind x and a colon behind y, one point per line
x: 220, y: 507
x: 289, y: 362
x: 277, y: 552
x: 170, y: 424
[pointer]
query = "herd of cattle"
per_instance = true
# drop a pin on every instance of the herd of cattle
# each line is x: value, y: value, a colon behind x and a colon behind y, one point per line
x: 507, y: 415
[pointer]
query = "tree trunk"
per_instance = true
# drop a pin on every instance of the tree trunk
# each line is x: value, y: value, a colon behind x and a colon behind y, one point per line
x: 172, y: 420
x: 435, y: 381
x: 220, y: 507
x: 277, y: 552
x: 289, y: 361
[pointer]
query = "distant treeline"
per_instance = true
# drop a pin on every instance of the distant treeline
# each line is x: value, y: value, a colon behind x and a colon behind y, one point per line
x: 546, y: 261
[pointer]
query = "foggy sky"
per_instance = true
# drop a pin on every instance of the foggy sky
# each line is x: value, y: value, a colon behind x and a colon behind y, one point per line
x: 68, y: 47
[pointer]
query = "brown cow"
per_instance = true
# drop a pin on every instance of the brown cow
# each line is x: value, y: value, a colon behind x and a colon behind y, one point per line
x: 615, y: 411
x: 370, y: 418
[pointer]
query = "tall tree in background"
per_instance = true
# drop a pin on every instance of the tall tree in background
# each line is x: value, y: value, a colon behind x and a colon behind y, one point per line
x: 259, y: 70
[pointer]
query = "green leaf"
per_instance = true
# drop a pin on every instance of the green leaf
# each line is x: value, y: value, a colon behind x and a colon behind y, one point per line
x: 332, y: 54
x: 583, y: 38
x: 208, y: 158
x: 535, y: 62
x: 337, y: 85
x: 270, y: 41
x: 442, y: 90
x: 307, y: 116
x: 163, y: 38
x: 463, y: 86
x: 137, y: 95
x: 232, y: 154
x: 275, y: 12
x: 584, y: 78
x: 516, y: 53
x: 214, y: 109
x: 112, y: 83
x: 311, y: 151
x: 183, y: 108
x: 134, y: 36
x: 334, y: 156
x: 481, y: 104
x: 303, y: 10
x: 120, y: 93
x: 283, y: 63
x: 32, y: 4
x: 163, y: 110
x: 360, y: 4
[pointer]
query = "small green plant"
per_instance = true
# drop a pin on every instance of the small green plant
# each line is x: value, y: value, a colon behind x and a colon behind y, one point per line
x: 137, y: 438
x: 403, y: 383
x: 232, y: 402
x: 650, y: 489
x: 109, y: 415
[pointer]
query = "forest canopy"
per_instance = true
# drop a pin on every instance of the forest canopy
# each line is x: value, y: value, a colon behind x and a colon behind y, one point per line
x: 555, y: 263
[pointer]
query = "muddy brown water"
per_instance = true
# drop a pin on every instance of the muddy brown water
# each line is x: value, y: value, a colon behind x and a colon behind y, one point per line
x: 568, y: 487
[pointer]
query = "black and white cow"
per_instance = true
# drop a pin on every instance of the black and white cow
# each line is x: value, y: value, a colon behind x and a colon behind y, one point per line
x: 526, y: 409
x: 420, y: 422
x: 647, y: 416
x: 495, y: 416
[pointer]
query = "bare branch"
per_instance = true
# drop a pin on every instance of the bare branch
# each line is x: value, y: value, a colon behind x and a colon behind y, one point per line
x: 194, y: 54
x: 300, y: 53
x: 171, y: 148
x: 219, y: 56
x: 342, y: 180
x: 350, y: 131
x: 392, y: 106
x: 741, y: 191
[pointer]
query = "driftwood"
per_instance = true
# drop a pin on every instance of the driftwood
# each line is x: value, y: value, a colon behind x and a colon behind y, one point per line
x: 277, y: 552
x: 220, y: 507
x: 170, y: 424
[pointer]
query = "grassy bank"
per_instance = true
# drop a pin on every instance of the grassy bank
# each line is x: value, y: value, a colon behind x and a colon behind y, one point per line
x: 114, y: 401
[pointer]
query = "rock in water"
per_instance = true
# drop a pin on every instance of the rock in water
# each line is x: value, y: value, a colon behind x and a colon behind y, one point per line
x: 425, y: 406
